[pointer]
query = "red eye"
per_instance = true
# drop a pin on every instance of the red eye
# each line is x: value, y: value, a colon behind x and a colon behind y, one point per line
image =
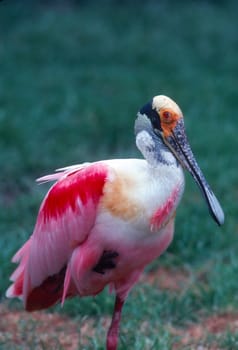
x: 167, y: 115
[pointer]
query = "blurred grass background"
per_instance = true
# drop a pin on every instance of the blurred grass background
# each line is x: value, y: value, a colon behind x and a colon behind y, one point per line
x: 72, y: 77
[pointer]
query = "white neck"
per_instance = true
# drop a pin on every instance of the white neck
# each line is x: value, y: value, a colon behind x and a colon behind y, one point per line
x: 154, y: 150
x: 151, y: 145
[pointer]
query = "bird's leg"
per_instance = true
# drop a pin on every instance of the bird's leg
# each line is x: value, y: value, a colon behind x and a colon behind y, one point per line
x: 107, y: 261
x: 113, y: 332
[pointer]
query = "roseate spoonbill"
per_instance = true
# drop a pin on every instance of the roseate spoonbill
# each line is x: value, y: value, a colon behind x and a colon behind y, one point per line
x: 101, y: 223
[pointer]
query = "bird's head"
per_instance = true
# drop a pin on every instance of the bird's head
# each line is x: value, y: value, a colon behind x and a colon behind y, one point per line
x: 160, y: 125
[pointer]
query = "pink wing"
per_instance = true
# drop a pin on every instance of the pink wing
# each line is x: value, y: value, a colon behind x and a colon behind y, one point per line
x: 64, y: 222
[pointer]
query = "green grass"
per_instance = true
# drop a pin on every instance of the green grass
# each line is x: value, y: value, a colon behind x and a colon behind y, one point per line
x: 71, y: 82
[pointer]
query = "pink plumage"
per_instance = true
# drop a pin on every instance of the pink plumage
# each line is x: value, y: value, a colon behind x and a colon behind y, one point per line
x: 64, y: 221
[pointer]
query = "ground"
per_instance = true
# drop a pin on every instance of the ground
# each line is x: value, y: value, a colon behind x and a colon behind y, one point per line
x: 43, y: 330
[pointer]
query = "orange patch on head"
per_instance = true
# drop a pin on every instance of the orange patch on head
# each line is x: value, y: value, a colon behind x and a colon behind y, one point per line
x: 168, y: 120
x: 116, y: 199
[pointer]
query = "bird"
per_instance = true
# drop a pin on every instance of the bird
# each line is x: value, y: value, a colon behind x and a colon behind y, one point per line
x: 102, y: 223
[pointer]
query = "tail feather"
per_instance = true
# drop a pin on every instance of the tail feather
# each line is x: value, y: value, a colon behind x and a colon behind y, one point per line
x: 17, y: 277
x: 48, y: 293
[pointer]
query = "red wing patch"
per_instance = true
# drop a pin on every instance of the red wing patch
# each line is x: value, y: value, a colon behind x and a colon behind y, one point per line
x: 85, y: 184
x: 64, y: 221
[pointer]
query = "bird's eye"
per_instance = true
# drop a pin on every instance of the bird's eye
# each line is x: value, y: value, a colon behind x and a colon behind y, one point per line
x: 167, y: 116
